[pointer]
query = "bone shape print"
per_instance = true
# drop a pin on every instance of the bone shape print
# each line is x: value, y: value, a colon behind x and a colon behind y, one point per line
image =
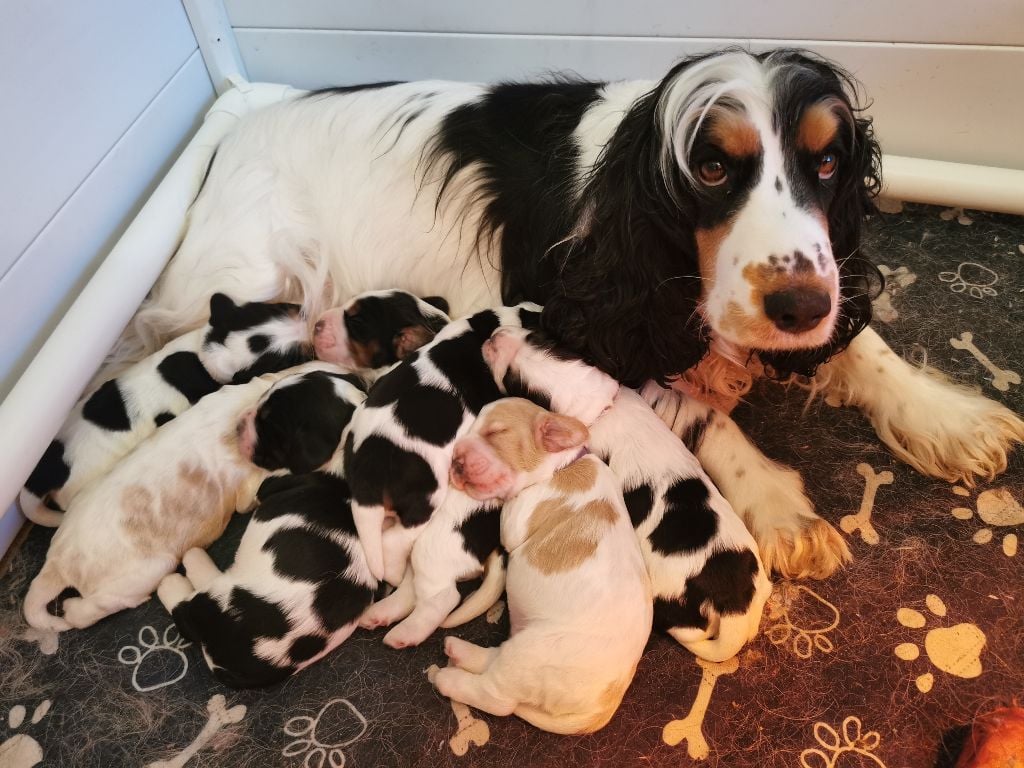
x: 862, y: 520
x: 469, y: 729
x: 219, y: 717
x: 690, y: 728
x: 1001, y: 379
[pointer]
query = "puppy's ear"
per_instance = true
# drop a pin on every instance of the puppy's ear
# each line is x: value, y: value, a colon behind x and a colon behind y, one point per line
x: 410, y: 339
x: 438, y: 302
x: 560, y: 433
x: 221, y: 306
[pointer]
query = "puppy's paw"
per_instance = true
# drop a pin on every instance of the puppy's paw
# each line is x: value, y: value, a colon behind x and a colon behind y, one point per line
x: 173, y: 589
x: 815, y: 551
x: 407, y: 634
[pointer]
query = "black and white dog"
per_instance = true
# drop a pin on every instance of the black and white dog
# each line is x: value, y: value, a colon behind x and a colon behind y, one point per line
x: 399, y: 450
x: 299, y: 580
x: 237, y: 344
x: 716, y: 210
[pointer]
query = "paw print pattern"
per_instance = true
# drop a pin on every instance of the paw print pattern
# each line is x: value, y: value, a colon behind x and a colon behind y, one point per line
x: 162, y: 661
x: 997, y: 509
x: 321, y: 739
x: 954, y: 650
x: 808, y: 623
x: 853, y: 748
x: 21, y: 750
x: 972, y: 278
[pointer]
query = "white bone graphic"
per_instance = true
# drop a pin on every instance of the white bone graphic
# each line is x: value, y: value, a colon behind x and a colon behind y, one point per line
x: 689, y: 729
x: 862, y: 520
x: 469, y: 730
x: 219, y: 717
x: 1001, y: 379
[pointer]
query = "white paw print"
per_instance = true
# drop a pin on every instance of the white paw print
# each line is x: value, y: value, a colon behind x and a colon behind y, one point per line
x: 998, y: 509
x: 853, y: 747
x: 321, y: 738
x: 164, y: 660
x: 955, y: 650
x: 21, y: 750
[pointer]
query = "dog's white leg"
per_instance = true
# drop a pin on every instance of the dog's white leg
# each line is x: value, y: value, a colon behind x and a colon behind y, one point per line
x: 199, y: 568
x: 769, y: 497
x: 940, y: 429
x: 392, y: 608
x: 472, y: 690
x: 427, y: 616
x: 465, y: 655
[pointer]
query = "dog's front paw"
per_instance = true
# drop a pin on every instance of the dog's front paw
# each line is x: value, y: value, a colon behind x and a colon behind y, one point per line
x: 815, y: 551
x: 407, y: 635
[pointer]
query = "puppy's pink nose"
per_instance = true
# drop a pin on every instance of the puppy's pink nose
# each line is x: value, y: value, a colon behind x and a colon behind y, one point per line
x: 319, y: 326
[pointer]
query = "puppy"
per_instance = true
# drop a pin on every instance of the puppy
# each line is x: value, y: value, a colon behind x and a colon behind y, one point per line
x: 299, y: 580
x: 127, y: 530
x: 709, y: 584
x: 377, y: 329
x: 579, y: 597
x: 399, y: 451
x: 238, y: 343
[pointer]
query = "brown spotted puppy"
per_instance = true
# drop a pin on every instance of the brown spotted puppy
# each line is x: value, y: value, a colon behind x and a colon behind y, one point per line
x: 129, y: 529
x: 579, y: 597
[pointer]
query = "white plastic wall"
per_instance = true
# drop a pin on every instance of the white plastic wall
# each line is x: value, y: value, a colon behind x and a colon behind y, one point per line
x: 98, y: 99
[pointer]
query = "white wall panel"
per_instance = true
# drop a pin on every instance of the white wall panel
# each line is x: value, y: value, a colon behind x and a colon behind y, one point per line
x: 995, y: 22
x: 960, y: 103
x: 74, y: 75
x: 40, y: 286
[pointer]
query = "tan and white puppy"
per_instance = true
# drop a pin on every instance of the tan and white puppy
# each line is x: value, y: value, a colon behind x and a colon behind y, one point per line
x: 129, y: 529
x: 579, y: 596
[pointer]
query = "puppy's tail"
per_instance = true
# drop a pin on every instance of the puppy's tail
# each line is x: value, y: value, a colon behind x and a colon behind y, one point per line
x: 43, y: 603
x: 35, y: 509
x: 485, y: 596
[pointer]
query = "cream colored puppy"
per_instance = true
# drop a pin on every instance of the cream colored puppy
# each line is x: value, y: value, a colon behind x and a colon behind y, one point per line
x: 579, y: 596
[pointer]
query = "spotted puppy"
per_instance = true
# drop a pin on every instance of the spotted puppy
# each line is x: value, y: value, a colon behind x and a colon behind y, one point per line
x: 299, y: 580
x: 709, y: 584
x: 461, y: 540
x: 129, y: 529
x: 377, y: 329
x: 579, y: 597
x: 238, y: 343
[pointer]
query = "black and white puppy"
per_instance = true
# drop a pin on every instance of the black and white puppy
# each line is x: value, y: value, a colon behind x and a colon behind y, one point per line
x: 238, y: 343
x: 399, y: 450
x: 377, y: 329
x: 709, y: 584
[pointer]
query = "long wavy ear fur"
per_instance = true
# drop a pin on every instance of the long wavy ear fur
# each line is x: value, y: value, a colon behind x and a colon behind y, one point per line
x: 859, y: 183
x: 626, y: 286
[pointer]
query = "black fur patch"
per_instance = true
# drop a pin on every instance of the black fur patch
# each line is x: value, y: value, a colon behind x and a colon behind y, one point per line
x: 56, y: 606
x: 639, y: 502
x: 51, y: 472
x: 481, y: 532
x: 106, y: 408
x: 227, y: 317
x: 257, y: 342
x: 354, y: 379
x: 380, y: 466
x: 339, y: 602
x: 688, y: 523
x: 320, y: 497
x: 299, y: 426
x: 376, y: 323
x: 461, y: 361
x: 184, y: 372
x: 515, y: 386
x: 306, y: 647
x: 344, y: 90
x: 274, y: 361
x: 392, y: 385
x: 162, y: 418
x: 529, y: 319
x: 726, y: 581
x: 304, y: 554
x: 693, y: 435
x: 430, y: 414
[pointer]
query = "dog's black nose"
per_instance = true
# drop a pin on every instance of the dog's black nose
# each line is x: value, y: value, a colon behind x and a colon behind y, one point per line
x: 798, y: 309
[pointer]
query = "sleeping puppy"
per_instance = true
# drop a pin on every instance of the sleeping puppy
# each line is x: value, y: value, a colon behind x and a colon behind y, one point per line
x: 399, y: 451
x: 237, y: 343
x: 377, y: 329
x: 294, y: 592
x: 299, y: 580
x: 709, y: 584
x: 579, y: 597
x: 129, y: 529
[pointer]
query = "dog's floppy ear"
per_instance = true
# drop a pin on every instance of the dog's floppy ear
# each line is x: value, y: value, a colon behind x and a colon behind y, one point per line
x: 438, y: 302
x: 560, y: 433
x: 221, y: 306
x: 411, y: 338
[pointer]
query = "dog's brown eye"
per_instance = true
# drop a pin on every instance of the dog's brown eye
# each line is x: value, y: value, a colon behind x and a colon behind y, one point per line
x: 827, y: 166
x: 712, y: 172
